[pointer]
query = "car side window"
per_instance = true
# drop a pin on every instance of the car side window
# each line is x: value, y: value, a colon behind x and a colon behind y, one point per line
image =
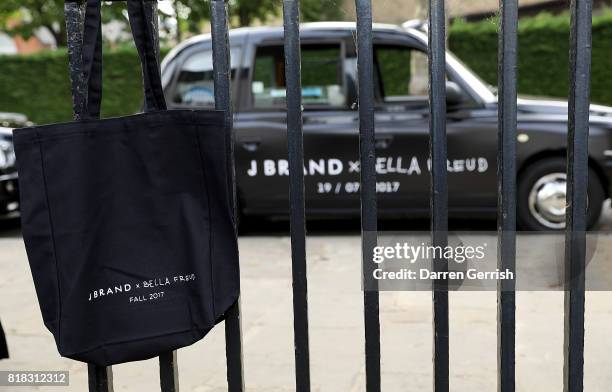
x: 402, y: 73
x: 195, y: 84
x: 322, y: 77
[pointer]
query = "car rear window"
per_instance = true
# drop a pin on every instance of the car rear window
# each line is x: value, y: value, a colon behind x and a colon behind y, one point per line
x: 321, y: 77
x: 401, y: 73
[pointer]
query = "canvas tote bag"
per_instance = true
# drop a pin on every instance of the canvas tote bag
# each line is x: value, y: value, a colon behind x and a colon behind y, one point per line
x: 128, y: 222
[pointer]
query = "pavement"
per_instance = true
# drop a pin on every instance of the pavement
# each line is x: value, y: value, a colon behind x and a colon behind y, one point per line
x: 336, y: 326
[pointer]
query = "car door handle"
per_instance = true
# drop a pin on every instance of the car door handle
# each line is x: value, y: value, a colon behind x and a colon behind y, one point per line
x: 251, y: 145
x: 382, y: 142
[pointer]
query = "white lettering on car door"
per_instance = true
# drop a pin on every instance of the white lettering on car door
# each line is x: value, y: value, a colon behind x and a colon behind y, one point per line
x: 384, y: 165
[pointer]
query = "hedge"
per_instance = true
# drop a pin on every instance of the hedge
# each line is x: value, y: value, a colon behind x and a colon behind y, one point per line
x: 38, y: 85
x: 543, y: 54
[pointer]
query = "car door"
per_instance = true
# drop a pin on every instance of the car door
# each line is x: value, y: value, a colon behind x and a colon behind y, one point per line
x: 402, y: 128
x: 403, y: 122
x: 330, y: 137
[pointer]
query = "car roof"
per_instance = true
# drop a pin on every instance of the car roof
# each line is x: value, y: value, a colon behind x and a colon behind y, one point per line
x: 305, y: 29
x: 314, y: 26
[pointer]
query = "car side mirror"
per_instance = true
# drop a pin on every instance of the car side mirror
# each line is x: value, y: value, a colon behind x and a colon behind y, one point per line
x: 454, y: 94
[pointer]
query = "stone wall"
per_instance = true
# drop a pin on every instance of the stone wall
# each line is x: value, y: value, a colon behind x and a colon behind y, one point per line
x: 398, y: 11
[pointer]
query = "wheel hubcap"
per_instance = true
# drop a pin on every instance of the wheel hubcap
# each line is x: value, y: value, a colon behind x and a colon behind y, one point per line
x: 547, y: 200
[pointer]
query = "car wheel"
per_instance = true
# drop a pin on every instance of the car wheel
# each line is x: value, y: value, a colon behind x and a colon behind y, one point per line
x: 541, y: 196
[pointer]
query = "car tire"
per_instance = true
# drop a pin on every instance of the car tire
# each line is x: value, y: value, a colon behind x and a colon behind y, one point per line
x: 540, y: 206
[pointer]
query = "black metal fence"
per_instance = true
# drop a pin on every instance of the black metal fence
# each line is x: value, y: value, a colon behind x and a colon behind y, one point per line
x: 100, y: 379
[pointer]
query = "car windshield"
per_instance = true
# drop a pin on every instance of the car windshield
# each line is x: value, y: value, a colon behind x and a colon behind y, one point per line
x: 486, y: 92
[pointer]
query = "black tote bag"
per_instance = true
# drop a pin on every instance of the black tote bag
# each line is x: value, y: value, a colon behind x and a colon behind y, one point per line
x: 128, y: 222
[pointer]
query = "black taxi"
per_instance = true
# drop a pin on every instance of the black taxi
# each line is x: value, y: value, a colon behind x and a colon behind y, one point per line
x: 331, y: 167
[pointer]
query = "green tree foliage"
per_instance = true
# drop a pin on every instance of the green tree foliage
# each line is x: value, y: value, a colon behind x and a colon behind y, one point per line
x: 321, y: 10
x: 24, y: 17
x: 31, y: 15
x: 192, y: 13
x: 249, y: 11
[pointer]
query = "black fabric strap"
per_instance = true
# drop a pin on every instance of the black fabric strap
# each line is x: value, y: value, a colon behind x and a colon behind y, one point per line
x: 92, y: 59
x: 140, y: 23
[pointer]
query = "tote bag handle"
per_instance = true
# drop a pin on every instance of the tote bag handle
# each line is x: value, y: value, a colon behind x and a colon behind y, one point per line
x: 146, y: 43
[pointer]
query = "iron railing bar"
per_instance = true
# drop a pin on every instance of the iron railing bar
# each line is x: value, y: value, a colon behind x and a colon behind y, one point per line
x: 100, y: 378
x: 577, y: 185
x: 367, y: 156
x: 152, y: 18
x: 506, y: 177
x: 295, y: 141
x: 221, y: 58
x: 233, y: 348
x: 168, y: 372
x: 222, y: 75
x: 439, y: 187
x: 74, y: 14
